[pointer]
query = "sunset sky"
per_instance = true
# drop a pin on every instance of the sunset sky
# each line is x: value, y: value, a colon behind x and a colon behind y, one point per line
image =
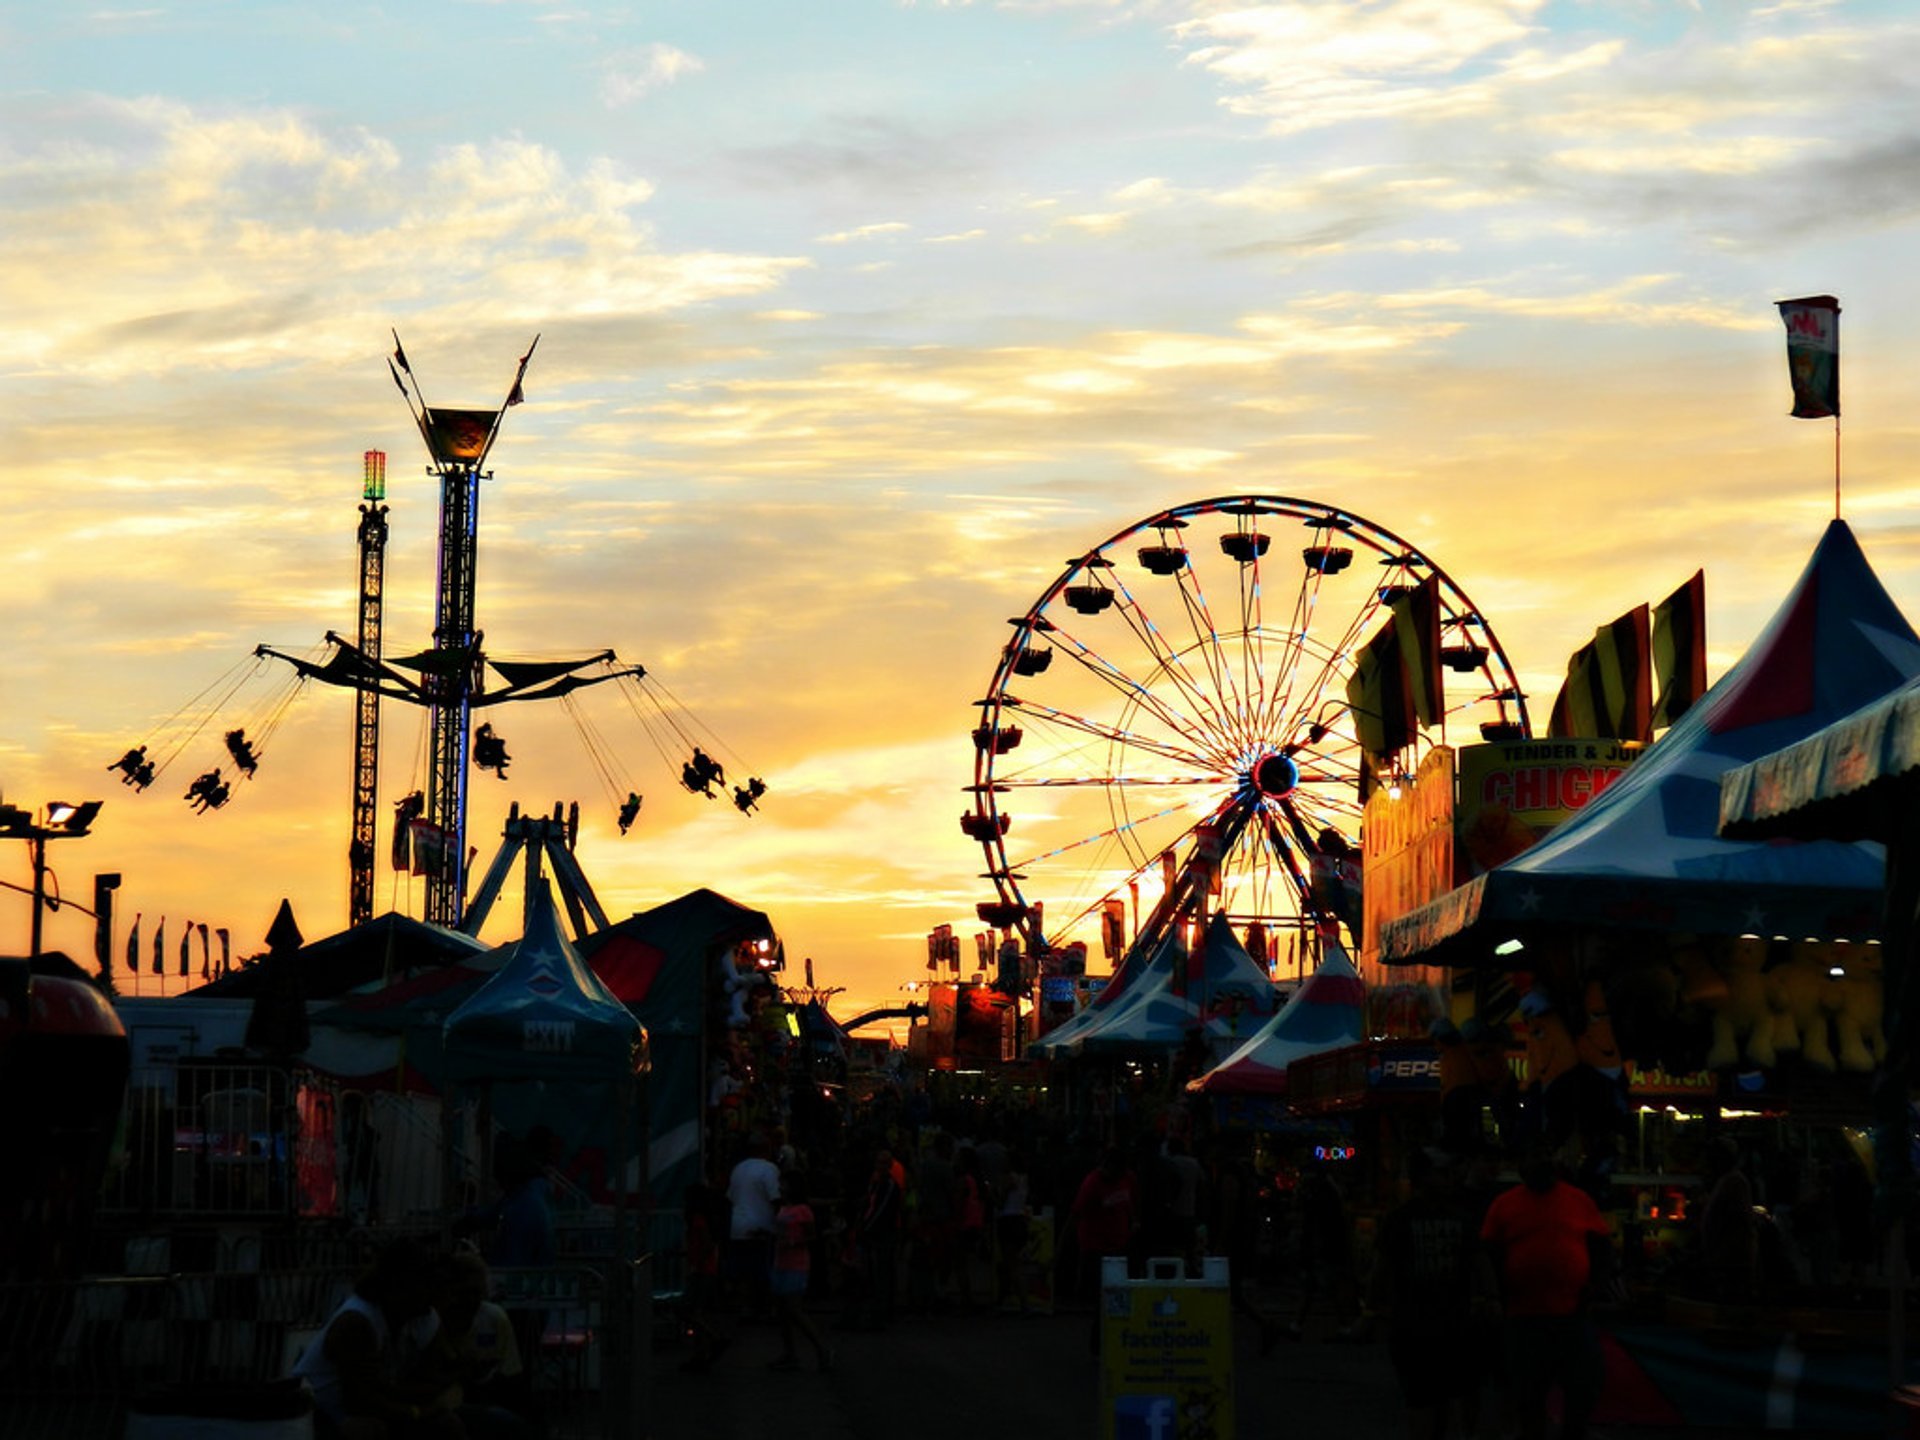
x: 859, y: 319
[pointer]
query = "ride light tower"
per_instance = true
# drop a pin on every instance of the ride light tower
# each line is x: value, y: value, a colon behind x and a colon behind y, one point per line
x: 366, y: 706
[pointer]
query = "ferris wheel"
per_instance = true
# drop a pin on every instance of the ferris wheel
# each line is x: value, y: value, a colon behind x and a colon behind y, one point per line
x: 1181, y: 689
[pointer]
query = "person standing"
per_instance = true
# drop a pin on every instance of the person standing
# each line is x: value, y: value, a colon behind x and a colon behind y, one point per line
x: 1104, y: 1216
x: 877, y: 1238
x: 753, y: 1189
x: 1546, y: 1237
x: 1424, y: 1277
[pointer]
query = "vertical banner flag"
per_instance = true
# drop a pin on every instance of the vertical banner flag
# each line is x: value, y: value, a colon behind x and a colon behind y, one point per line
x: 160, y: 947
x: 226, y: 949
x: 1680, y: 650
x: 1416, y: 621
x: 1576, y: 709
x: 133, y: 945
x: 1625, y: 663
x: 1378, y: 696
x: 1813, y: 354
x: 186, y: 948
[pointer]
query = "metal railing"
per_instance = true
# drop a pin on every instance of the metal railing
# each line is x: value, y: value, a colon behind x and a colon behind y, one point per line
x: 76, y: 1356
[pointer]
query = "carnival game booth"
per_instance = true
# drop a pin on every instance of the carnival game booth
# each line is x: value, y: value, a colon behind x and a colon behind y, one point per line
x: 1638, y: 910
x: 1859, y: 779
x: 679, y: 968
x: 1636, y: 933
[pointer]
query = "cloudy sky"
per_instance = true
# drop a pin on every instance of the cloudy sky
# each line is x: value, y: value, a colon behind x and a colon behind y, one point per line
x: 858, y: 320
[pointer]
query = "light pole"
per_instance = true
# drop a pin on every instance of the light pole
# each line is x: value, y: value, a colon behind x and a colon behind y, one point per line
x: 59, y: 821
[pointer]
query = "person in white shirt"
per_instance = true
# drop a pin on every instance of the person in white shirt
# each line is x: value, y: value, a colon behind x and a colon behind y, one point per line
x: 753, y: 1189
x: 358, y: 1364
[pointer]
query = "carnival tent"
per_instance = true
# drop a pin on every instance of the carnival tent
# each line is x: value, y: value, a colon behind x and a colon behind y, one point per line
x: 542, y: 1016
x: 1324, y: 1014
x: 387, y: 948
x: 1218, y: 992
x: 664, y: 964
x: 1647, y: 856
x: 1057, y: 1041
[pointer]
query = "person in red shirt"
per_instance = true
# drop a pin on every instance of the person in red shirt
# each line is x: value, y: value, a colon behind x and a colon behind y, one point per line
x: 1545, y: 1237
x: 1104, y: 1215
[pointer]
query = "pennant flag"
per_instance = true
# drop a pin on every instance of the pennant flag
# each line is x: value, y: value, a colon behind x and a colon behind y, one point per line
x: 1378, y: 696
x: 186, y: 948
x: 516, y: 395
x: 1813, y: 354
x: 206, y: 954
x: 133, y: 945
x: 1416, y: 621
x: 398, y: 383
x: 160, y: 947
x: 1576, y: 709
x: 226, y: 951
x: 400, y: 354
x: 1680, y: 650
x: 1623, y: 656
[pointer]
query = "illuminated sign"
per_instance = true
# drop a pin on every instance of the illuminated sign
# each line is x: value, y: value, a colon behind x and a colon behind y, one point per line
x: 1512, y: 794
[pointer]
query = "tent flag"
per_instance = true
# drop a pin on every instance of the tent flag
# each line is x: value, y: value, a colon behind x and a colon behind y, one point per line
x: 1416, y: 622
x: 1813, y: 355
x: 1680, y: 650
x: 1577, y: 708
x: 1378, y: 696
x: 1624, y: 652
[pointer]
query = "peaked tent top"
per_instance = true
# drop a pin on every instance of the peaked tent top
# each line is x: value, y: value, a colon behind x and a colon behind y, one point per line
x: 542, y: 1015
x: 1647, y: 855
x: 1119, y: 985
x: 1324, y: 1014
x: 1172, y: 999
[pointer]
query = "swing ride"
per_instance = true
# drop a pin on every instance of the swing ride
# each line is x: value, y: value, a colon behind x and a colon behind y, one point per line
x: 1179, y: 694
x: 449, y: 680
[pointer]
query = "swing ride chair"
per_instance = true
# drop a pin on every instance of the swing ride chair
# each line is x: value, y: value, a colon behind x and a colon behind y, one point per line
x: 1181, y: 692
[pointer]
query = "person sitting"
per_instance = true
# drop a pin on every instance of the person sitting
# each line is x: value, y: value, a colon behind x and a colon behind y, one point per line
x: 131, y: 764
x: 241, y: 749
x: 200, y: 793
x: 746, y: 796
x: 217, y: 796
x: 629, y: 811
x: 359, y: 1366
x: 490, y: 751
x: 476, y: 1346
x: 701, y: 772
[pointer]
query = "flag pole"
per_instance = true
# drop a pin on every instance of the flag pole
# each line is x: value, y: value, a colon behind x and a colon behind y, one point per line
x: 1836, y: 465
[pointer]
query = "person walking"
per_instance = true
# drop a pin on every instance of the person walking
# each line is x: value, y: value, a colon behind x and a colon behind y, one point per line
x: 793, y: 1232
x: 1548, y: 1241
x: 876, y: 1237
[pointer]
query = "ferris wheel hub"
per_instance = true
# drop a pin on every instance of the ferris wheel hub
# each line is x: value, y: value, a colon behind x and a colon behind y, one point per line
x: 1276, y: 775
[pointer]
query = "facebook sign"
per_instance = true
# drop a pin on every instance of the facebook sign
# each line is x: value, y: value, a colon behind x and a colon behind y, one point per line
x: 1144, y: 1417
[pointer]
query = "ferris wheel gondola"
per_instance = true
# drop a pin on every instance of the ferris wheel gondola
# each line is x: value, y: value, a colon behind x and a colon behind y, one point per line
x: 1179, y: 691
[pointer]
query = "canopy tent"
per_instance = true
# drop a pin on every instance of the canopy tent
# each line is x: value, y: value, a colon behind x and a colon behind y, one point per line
x: 551, y: 1046
x: 1057, y: 1041
x: 1851, y: 781
x: 542, y: 1016
x: 387, y: 948
x: 1646, y: 856
x: 660, y: 964
x: 1217, y: 992
x: 1324, y: 1014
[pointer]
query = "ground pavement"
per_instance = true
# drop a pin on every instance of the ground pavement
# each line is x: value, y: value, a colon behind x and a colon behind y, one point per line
x: 988, y: 1376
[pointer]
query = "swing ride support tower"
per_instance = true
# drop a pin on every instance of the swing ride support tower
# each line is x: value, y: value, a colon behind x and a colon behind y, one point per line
x: 457, y: 661
x: 366, y: 706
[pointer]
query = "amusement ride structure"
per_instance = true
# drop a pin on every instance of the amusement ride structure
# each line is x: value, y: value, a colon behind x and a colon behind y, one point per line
x: 450, y: 679
x: 1178, y: 704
